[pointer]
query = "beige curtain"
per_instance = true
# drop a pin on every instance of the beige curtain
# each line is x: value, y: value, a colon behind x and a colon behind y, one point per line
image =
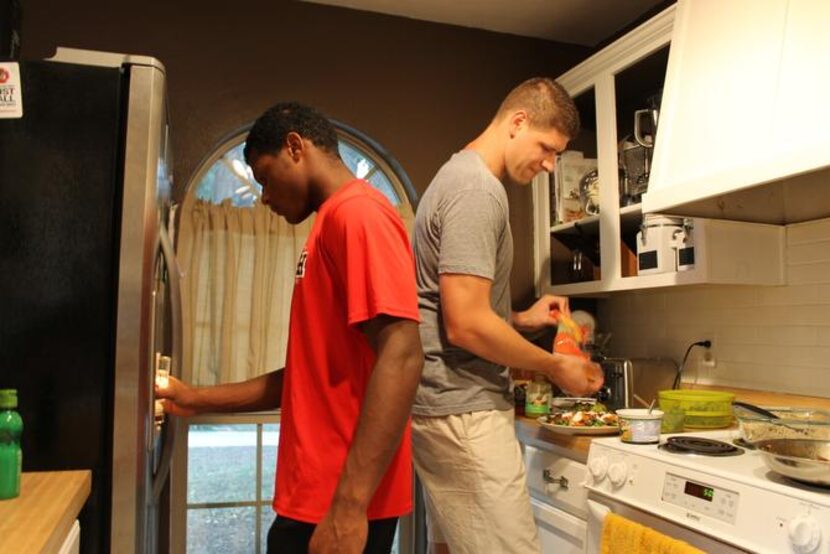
x: 238, y: 266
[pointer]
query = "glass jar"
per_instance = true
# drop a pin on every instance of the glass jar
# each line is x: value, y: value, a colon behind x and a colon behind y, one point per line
x: 537, y: 400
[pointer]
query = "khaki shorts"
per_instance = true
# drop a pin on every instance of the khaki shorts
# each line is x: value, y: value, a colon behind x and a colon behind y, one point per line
x: 474, y: 483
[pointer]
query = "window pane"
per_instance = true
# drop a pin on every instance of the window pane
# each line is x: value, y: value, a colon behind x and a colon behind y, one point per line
x: 270, y: 439
x: 221, y: 463
x: 229, y: 178
x: 221, y: 530
x: 396, y: 545
x: 266, y: 518
x: 352, y: 157
x: 381, y: 182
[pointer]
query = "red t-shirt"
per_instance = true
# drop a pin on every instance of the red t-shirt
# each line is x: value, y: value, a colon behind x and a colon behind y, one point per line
x: 357, y: 263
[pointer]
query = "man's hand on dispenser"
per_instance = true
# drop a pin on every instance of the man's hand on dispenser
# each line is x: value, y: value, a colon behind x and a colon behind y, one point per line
x: 177, y: 398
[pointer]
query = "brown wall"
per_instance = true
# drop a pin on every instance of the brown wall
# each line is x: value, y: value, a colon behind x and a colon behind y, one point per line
x: 420, y: 89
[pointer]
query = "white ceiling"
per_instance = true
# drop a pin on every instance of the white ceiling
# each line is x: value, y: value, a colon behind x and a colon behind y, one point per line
x: 585, y: 22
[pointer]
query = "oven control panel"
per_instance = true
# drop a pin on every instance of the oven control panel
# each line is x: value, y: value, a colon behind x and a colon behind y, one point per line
x: 714, y: 502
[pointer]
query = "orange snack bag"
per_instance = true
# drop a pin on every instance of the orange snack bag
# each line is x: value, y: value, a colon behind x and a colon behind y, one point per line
x: 569, y: 336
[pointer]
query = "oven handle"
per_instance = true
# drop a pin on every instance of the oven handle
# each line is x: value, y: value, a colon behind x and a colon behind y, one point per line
x: 596, y: 517
x: 598, y: 511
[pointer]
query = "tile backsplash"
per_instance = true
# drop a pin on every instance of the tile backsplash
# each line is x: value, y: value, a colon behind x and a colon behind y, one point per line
x: 770, y: 338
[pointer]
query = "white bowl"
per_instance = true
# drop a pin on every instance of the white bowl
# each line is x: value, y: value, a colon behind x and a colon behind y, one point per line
x: 639, y: 426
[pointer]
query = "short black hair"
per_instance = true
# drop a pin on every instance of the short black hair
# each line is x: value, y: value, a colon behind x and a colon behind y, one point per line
x: 267, y: 136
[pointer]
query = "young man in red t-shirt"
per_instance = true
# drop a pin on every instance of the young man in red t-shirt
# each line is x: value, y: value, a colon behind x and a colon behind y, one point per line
x: 354, y: 353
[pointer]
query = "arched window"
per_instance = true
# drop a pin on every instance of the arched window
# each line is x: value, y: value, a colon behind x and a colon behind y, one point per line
x: 227, y: 238
x: 226, y: 176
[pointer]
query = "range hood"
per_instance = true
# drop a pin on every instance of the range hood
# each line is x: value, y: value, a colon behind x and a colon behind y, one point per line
x: 744, y: 130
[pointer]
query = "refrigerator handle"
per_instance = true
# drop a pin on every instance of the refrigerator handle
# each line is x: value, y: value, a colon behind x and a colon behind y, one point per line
x: 175, y: 275
x: 176, y: 369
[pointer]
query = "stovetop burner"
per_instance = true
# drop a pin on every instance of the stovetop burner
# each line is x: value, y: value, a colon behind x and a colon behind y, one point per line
x: 700, y: 446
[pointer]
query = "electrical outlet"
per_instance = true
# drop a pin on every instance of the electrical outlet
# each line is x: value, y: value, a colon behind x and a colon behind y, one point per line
x: 708, y: 360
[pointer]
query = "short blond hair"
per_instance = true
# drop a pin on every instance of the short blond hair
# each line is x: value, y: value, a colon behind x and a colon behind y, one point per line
x: 547, y: 104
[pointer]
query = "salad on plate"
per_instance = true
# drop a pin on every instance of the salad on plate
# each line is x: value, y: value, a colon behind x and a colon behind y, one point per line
x: 582, y: 417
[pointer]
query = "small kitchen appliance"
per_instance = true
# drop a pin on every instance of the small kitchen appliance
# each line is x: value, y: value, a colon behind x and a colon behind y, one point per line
x: 665, y: 244
x: 635, y: 155
x: 628, y: 378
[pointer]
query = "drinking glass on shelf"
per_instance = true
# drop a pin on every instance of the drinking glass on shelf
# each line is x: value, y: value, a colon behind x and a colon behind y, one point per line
x: 163, y: 372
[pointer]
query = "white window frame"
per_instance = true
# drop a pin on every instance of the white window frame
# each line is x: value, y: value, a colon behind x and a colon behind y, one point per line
x: 179, y: 473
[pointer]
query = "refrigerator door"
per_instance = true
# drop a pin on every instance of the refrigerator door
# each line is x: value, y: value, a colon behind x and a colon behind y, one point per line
x: 162, y: 429
x: 146, y: 327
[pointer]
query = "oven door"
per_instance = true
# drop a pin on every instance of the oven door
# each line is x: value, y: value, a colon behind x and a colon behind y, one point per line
x: 600, y: 506
x: 559, y: 532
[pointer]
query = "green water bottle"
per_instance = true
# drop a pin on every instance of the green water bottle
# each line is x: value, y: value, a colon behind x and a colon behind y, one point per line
x: 11, y: 457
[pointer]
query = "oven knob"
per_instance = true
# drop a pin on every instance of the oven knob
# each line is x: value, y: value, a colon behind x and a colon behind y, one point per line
x: 598, y: 467
x: 805, y: 534
x: 617, y: 473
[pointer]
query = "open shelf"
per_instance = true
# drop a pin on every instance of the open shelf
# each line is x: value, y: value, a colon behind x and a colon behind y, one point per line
x: 630, y: 217
x: 603, y: 288
x: 587, y: 225
x: 614, y: 88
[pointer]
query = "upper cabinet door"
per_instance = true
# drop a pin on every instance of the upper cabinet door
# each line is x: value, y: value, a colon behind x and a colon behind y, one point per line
x: 745, y: 104
x: 802, y: 116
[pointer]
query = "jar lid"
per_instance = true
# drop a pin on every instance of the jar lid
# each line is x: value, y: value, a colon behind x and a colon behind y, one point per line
x: 8, y: 399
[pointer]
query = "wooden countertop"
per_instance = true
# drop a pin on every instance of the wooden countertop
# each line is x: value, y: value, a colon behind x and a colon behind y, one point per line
x: 576, y: 447
x: 39, y: 520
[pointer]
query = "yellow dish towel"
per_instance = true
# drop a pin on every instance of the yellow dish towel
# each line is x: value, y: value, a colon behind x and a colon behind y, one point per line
x: 623, y: 536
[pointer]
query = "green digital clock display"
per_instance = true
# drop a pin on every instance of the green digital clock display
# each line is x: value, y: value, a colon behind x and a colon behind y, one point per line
x: 699, y: 491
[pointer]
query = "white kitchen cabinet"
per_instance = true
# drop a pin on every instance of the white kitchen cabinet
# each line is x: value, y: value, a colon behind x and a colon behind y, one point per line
x: 745, y: 121
x: 558, y: 499
x: 72, y: 543
x: 608, y: 88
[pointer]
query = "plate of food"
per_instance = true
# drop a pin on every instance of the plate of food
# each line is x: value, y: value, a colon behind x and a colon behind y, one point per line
x: 582, y: 422
x: 573, y: 403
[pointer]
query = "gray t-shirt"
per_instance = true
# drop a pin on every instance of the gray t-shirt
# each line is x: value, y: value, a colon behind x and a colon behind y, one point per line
x: 462, y: 226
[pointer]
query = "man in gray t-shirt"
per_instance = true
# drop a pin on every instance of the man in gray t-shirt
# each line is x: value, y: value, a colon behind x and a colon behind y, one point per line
x: 461, y: 227
x: 463, y: 437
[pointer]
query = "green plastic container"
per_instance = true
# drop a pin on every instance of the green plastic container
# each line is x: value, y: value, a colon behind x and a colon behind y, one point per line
x: 698, y: 409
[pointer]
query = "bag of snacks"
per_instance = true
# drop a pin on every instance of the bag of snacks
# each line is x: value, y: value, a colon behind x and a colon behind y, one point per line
x: 569, y: 336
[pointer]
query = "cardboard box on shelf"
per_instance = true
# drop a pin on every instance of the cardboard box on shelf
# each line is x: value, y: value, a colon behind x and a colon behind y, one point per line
x: 567, y: 203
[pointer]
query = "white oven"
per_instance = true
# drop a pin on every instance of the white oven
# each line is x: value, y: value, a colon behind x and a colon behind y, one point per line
x: 718, y: 504
x: 559, y: 499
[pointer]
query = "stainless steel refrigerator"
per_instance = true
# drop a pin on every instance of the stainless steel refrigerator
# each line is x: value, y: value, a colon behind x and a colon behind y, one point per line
x: 89, y: 302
